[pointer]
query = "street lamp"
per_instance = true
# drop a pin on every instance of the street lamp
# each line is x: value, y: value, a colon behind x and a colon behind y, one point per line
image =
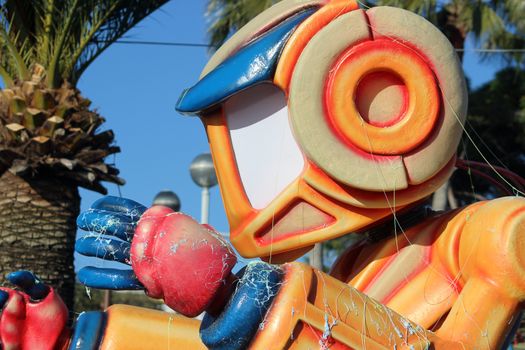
x: 168, y: 199
x: 203, y: 174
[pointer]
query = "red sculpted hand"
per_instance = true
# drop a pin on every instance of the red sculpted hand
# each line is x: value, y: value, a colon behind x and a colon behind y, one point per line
x: 172, y: 256
x: 34, y: 317
x: 181, y: 261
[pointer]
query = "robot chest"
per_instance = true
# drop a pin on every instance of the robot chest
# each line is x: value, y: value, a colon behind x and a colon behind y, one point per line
x: 413, y: 272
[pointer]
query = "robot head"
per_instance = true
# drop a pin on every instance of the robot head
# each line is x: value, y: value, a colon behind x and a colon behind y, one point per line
x: 324, y: 119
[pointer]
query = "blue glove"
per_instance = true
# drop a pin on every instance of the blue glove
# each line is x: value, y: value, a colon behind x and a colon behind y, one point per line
x: 111, y: 222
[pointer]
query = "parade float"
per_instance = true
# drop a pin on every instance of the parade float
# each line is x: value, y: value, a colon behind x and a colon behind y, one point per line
x: 324, y: 119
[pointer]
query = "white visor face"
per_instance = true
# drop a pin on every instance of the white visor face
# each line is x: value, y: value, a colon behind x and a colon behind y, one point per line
x: 268, y: 157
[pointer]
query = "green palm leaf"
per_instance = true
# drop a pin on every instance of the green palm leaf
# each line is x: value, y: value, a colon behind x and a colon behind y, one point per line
x: 227, y: 16
x: 64, y: 36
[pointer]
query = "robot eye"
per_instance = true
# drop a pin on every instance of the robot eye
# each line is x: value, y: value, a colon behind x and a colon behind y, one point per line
x: 267, y: 156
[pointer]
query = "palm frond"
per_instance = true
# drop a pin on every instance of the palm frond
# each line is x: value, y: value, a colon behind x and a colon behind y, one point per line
x: 109, y: 21
x: 513, y: 12
x: 62, y: 36
x: 426, y: 8
x: 490, y: 21
x: 6, y: 77
x: 65, y: 36
x: 9, y: 40
x: 44, y: 32
x: 228, y: 16
x: 21, y: 15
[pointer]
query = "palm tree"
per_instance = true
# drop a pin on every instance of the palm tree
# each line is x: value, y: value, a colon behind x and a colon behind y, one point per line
x: 50, y: 143
x: 227, y: 16
x: 494, y: 24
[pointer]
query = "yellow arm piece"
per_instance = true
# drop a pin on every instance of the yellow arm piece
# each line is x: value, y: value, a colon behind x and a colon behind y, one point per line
x: 313, y: 309
x: 135, y: 328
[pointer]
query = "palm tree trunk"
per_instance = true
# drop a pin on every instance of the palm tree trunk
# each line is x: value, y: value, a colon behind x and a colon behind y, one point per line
x: 37, y: 230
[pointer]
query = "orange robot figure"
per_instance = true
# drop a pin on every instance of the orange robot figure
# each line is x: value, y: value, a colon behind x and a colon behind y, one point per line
x: 323, y: 120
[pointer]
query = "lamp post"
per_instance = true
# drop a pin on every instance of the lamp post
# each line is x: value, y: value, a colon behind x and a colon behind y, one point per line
x: 168, y: 199
x: 203, y: 174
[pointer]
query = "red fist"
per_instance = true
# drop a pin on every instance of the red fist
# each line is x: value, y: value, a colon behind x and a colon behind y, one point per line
x: 29, y: 324
x: 179, y: 260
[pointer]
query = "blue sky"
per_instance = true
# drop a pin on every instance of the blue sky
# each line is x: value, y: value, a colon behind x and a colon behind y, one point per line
x: 135, y: 87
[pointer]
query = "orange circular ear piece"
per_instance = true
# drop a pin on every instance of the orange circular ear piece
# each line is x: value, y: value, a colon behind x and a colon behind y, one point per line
x: 407, y: 28
x: 377, y: 99
x: 341, y: 160
x: 376, y: 120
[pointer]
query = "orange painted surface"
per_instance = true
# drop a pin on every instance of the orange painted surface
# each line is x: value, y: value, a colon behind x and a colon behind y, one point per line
x: 491, y: 258
x: 251, y: 229
x: 422, y: 105
x: 321, y: 182
x: 307, y: 337
x: 135, y: 328
x: 246, y: 239
x: 467, y: 282
x: 304, y: 33
x: 459, y: 273
x: 235, y: 200
x: 314, y: 309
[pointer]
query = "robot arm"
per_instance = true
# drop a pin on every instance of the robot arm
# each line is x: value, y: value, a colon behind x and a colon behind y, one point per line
x: 264, y: 306
x: 267, y: 306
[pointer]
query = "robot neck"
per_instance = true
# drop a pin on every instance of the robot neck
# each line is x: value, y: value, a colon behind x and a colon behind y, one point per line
x: 397, y: 222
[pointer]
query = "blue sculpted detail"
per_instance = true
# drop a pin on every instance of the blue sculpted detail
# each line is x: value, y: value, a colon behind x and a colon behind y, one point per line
x: 512, y: 333
x: 111, y: 223
x: 121, y: 205
x: 29, y: 284
x: 89, y: 329
x: 236, y: 326
x: 4, y: 296
x: 107, y: 223
x: 112, y: 216
x: 104, y: 248
x: 109, y: 278
x: 253, y: 64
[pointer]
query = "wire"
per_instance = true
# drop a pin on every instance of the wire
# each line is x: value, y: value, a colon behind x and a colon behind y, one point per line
x: 160, y: 43
x: 491, y: 50
x: 187, y: 44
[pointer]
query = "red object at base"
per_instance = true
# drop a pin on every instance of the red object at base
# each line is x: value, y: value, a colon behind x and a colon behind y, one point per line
x: 28, y: 325
x: 179, y: 260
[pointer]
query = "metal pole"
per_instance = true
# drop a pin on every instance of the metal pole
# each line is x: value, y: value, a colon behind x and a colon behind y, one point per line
x: 106, y: 300
x: 316, y: 257
x: 205, y: 204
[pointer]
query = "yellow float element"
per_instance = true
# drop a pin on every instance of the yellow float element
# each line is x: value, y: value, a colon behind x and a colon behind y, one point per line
x: 302, y: 35
x: 419, y: 111
x: 389, y: 23
x: 314, y: 309
x: 363, y: 168
x: 459, y: 273
x: 135, y: 328
x: 257, y: 26
x: 342, y: 187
